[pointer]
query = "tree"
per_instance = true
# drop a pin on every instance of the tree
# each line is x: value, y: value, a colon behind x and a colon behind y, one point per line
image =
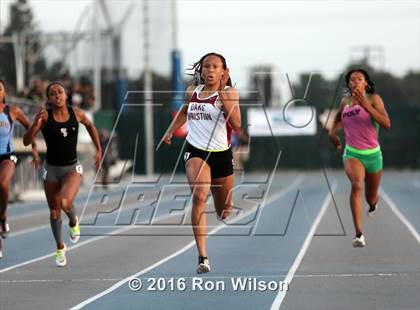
x: 320, y: 91
x: 411, y: 90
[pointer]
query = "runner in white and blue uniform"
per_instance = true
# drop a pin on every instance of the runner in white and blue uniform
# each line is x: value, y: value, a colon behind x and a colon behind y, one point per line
x: 8, y: 160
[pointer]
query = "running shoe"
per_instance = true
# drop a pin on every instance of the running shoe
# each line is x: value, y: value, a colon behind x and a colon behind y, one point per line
x: 225, y: 214
x: 372, y: 210
x: 1, y: 254
x: 75, y: 232
x: 203, y: 265
x: 5, y: 229
x: 60, y: 257
x: 359, y: 242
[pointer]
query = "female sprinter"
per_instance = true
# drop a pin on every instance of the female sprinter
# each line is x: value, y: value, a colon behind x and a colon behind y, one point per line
x: 8, y: 159
x: 62, y: 171
x: 211, y: 110
x: 360, y: 115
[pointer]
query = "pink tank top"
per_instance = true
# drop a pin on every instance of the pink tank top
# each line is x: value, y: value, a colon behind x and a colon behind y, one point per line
x: 360, y: 130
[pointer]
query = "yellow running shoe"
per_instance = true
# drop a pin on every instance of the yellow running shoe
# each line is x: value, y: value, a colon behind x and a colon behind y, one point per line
x: 75, y: 232
x: 60, y: 257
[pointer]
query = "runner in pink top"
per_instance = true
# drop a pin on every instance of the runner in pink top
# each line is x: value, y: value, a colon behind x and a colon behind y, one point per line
x: 360, y: 131
x: 360, y: 115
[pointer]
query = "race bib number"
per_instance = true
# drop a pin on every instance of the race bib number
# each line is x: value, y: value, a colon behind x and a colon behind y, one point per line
x: 44, y: 173
x: 13, y: 158
x: 79, y: 169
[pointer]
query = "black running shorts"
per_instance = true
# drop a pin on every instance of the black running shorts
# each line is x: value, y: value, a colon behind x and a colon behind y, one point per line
x: 10, y: 156
x: 221, y: 163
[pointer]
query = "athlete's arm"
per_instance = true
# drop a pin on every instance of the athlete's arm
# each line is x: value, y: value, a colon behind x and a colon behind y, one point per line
x: 376, y: 109
x: 39, y: 121
x: 93, y: 133
x: 18, y: 115
x: 379, y: 113
x: 180, y: 117
x: 230, y: 100
x: 335, y: 139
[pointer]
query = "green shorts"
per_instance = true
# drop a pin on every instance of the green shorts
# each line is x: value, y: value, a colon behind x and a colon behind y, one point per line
x: 371, y: 159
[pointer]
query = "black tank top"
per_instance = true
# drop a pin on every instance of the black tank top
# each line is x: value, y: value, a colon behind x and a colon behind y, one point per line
x: 61, y: 139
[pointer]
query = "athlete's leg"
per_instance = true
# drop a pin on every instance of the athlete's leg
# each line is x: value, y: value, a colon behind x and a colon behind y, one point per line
x: 199, y: 178
x: 69, y: 188
x: 105, y: 175
x: 221, y: 189
x: 372, y: 181
x: 356, y: 173
x: 7, y: 169
x: 52, y: 192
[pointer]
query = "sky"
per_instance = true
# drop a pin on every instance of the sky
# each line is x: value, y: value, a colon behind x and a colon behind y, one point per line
x: 291, y: 36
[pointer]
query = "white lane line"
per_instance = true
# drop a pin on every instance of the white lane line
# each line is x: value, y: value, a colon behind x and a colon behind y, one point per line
x: 275, y: 277
x: 355, y: 275
x: 45, y: 210
x: 398, y: 213
x: 28, y: 230
x: 129, y: 206
x: 31, y: 230
x: 282, y: 293
x: 78, y: 245
x: 37, y: 259
x: 298, y: 180
x: 56, y: 280
x: 267, y: 201
x: 25, y: 214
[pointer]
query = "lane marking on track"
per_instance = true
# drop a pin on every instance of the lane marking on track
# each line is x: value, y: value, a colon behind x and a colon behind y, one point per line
x: 267, y: 201
x: 28, y: 230
x: 69, y: 248
x: 297, y: 181
x: 56, y: 280
x: 344, y: 275
x: 289, y: 277
x: 398, y: 213
x: 65, y: 221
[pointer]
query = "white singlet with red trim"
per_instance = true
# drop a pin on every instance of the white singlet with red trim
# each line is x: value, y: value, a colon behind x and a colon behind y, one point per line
x: 208, y: 129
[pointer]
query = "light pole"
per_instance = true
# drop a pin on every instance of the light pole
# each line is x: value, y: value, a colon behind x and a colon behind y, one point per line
x: 97, y: 65
x: 148, y: 97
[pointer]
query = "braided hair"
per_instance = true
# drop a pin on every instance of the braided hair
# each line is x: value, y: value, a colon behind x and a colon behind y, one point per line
x: 197, y: 67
